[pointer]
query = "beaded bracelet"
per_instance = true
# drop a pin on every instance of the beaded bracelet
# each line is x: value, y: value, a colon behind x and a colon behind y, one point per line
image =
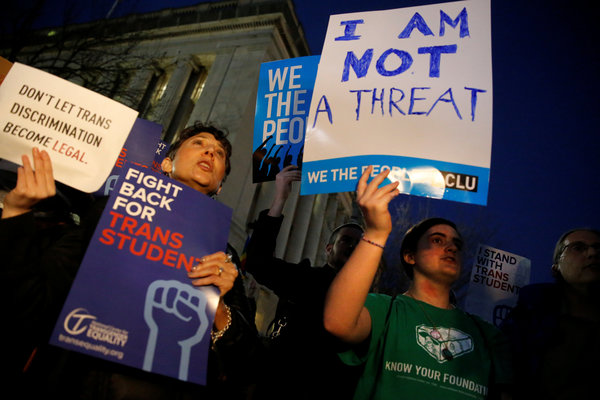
x: 214, y: 336
x: 371, y: 242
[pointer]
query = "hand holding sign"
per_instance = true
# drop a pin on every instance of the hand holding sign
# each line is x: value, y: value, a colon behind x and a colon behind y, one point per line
x: 33, y: 185
x: 215, y: 269
x: 373, y: 201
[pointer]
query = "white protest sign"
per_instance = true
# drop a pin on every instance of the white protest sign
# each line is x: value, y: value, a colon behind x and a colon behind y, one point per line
x: 82, y: 131
x: 409, y: 90
x: 496, y: 279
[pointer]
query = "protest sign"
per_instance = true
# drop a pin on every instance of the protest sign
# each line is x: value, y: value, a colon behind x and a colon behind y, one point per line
x: 160, y: 154
x: 82, y: 131
x: 132, y: 301
x: 496, y: 278
x: 409, y: 90
x: 140, y: 149
x: 285, y: 90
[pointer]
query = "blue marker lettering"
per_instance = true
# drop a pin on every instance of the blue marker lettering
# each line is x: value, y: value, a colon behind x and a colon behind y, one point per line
x: 405, y: 62
x: 463, y: 19
x: 327, y: 109
x: 434, y: 60
x: 360, y: 66
x: 358, y: 99
x: 393, y: 102
x: 377, y: 99
x: 415, y: 22
x: 413, y: 99
x: 474, y: 100
x: 350, y: 29
x: 450, y: 100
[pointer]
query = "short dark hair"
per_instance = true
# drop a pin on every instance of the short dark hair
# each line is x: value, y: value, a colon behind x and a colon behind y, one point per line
x: 412, y: 236
x: 335, y: 232
x: 197, y: 128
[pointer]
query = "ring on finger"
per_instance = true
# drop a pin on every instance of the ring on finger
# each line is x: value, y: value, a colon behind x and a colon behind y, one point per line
x: 220, y: 270
x: 228, y: 259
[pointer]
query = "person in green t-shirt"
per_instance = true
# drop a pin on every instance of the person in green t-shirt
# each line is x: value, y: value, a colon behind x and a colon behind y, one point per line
x: 418, y: 344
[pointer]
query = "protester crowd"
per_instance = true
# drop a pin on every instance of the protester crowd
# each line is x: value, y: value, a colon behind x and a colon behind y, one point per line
x: 332, y: 337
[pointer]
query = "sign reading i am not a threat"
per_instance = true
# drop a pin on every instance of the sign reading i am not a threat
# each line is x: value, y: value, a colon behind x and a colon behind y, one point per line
x: 409, y: 90
x: 132, y: 301
x: 82, y: 131
x: 283, y: 98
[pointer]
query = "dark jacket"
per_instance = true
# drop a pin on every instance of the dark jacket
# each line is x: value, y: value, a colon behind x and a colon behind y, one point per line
x: 304, y: 352
x: 552, y: 350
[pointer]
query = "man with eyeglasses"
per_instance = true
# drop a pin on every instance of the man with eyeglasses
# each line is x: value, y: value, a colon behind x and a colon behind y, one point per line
x: 554, y: 327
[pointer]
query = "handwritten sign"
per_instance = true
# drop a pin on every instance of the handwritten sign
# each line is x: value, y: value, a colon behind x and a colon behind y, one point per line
x: 82, y: 131
x: 496, y: 278
x: 408, y: 90
x: 132, y: 301
x: 284, y: 93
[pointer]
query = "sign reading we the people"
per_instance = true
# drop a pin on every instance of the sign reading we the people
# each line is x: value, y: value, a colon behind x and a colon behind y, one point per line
x: 285, y: 90
x: 496, y: 278
x: 132, y: 301
x: 409, y: 90
x: 82, y: 131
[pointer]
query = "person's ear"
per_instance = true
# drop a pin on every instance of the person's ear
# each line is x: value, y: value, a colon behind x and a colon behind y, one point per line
x: 409, y: 258
x: 328, y: 248
x: 555, y: 270
x: 166, y: 165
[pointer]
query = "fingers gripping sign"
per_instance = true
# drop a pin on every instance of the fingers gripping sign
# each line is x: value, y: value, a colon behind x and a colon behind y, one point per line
x: 184, y: 306
x: 215, y: 269
x: 374, y: 200
x: 284, y: 179
x: 33, y: 184
x: 283, y: 188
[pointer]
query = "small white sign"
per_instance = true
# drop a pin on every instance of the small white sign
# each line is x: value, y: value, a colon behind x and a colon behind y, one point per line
x: 496, y: 279
x: 82, y: 131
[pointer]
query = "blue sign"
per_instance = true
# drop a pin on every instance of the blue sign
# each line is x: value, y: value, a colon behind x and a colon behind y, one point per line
x: 132, y: 301
x: 282, y: 103
x: 139, y: 149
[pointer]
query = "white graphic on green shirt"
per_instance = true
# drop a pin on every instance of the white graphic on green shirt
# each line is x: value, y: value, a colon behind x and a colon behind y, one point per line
x: 435, y: 339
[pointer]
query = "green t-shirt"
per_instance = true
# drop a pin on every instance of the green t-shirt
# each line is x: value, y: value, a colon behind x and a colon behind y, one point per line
x: 409, y: 353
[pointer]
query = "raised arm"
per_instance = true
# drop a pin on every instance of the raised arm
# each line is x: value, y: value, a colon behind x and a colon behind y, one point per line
x: 260, y: 251
x: 345, y: 315
x: 33, y: 185
x: 283, y: 187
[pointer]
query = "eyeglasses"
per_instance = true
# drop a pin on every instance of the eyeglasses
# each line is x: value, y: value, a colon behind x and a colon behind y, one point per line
x: 581, y: 247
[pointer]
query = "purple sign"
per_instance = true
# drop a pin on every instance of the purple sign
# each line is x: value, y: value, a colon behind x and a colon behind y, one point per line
x: 132, y: 301
x: 142, y: 148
